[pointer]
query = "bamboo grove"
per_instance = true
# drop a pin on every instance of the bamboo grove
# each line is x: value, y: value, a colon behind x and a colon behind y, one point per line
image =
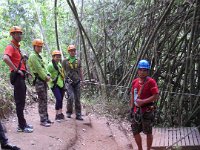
x: 167, y: 34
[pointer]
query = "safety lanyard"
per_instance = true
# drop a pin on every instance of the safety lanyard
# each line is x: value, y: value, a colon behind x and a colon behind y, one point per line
x: 141, y: 89
x: 21, y: 59
x: 71, y: 64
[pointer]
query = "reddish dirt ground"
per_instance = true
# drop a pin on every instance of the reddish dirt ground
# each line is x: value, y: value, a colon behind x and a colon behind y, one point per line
x: 94, y: 133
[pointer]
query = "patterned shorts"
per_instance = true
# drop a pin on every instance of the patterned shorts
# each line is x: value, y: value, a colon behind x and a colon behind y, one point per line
x: 143, y: 123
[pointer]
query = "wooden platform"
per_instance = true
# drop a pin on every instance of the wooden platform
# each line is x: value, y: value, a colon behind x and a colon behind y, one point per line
x: 165, y: 137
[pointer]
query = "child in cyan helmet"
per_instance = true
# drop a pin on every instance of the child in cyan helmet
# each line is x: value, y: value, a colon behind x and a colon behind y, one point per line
x: 144, y: 94
x: 57, y: 83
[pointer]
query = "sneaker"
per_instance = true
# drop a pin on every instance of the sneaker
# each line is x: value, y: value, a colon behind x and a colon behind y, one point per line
x: 45, y: 124
x: 69, y: 115
x: 79, y: 117
x: 49, y: 121
x: 29, y: 126
x: 57, y: 118
x: 62, y: 116
x: 25, y: 130
x: 10, y: 147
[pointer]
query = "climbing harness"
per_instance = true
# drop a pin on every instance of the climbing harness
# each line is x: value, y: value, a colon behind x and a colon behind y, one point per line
x: 71, y: 64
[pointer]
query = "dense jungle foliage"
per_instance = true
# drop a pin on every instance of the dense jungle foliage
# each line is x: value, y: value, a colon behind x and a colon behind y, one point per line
x: 112, y: 36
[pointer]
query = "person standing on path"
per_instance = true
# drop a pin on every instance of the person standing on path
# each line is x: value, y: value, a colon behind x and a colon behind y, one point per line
x: 14, y: 59
x: 57, y: 83
x: 38, y: 69
x: 73, y: 78
x: 4, y: 140
x: 144, y: 94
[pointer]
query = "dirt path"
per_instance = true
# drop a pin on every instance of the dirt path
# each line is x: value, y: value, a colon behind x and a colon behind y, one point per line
x: 100, y: 134
x: 94, y: 133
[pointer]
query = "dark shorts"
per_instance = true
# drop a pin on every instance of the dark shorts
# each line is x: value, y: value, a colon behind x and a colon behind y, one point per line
x: 143, y: 123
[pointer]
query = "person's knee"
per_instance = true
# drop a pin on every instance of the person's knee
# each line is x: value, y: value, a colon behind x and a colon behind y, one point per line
x: 136, y: 135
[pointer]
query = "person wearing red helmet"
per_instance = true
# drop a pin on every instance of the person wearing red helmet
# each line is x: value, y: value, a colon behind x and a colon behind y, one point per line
x: 57, y: 83
x: 14, y: 59
x: 144, y: 93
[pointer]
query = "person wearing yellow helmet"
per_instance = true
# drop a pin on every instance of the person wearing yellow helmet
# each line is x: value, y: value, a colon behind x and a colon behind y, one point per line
x: 38, y: 69
x: 14, y: 59
x: 57, y: 83
x: 73, y: 77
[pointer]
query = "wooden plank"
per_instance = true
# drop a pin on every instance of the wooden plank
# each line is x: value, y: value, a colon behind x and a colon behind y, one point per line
x: 178, y: 137
x: 159, y: 138
x: 194, y: 136
x: 182, y: 135
x: 186, y: 137
x: 196, y: 131
x: 155, y: 137
x: 170, y: 136
x: 162, y: 139
x: 165, y: 131
x: 190, y: 136
x: 175, y: 136
x: 165, y: 137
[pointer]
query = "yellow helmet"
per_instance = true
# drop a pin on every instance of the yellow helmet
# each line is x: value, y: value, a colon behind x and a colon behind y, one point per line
x: 56, y: 52
x: 15, y: 29
x: 71, y: 47
x: 37, y: 42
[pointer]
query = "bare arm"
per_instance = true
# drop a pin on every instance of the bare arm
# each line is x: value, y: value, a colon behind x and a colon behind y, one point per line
x: 153, y: 98
x: 7, y: 60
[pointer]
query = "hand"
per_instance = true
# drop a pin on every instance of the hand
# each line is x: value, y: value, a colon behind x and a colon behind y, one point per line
x: 29, y: 74
x: 139, y: 102
x: 20, y: 72
x: 48, y: 78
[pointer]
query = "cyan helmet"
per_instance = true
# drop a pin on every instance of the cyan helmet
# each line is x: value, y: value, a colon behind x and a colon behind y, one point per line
x: 143, y: 64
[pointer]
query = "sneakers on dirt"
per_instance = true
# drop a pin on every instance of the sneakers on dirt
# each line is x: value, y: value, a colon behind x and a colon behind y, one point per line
x: 29, y: 126
x: 57, y: 118
x: 69, y: 115
x: 25, y: 130
x: 45, y: 124
x: 78, y: 117
x: 10, y: 147
x: 49, y: 121
x: 62, y: 116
